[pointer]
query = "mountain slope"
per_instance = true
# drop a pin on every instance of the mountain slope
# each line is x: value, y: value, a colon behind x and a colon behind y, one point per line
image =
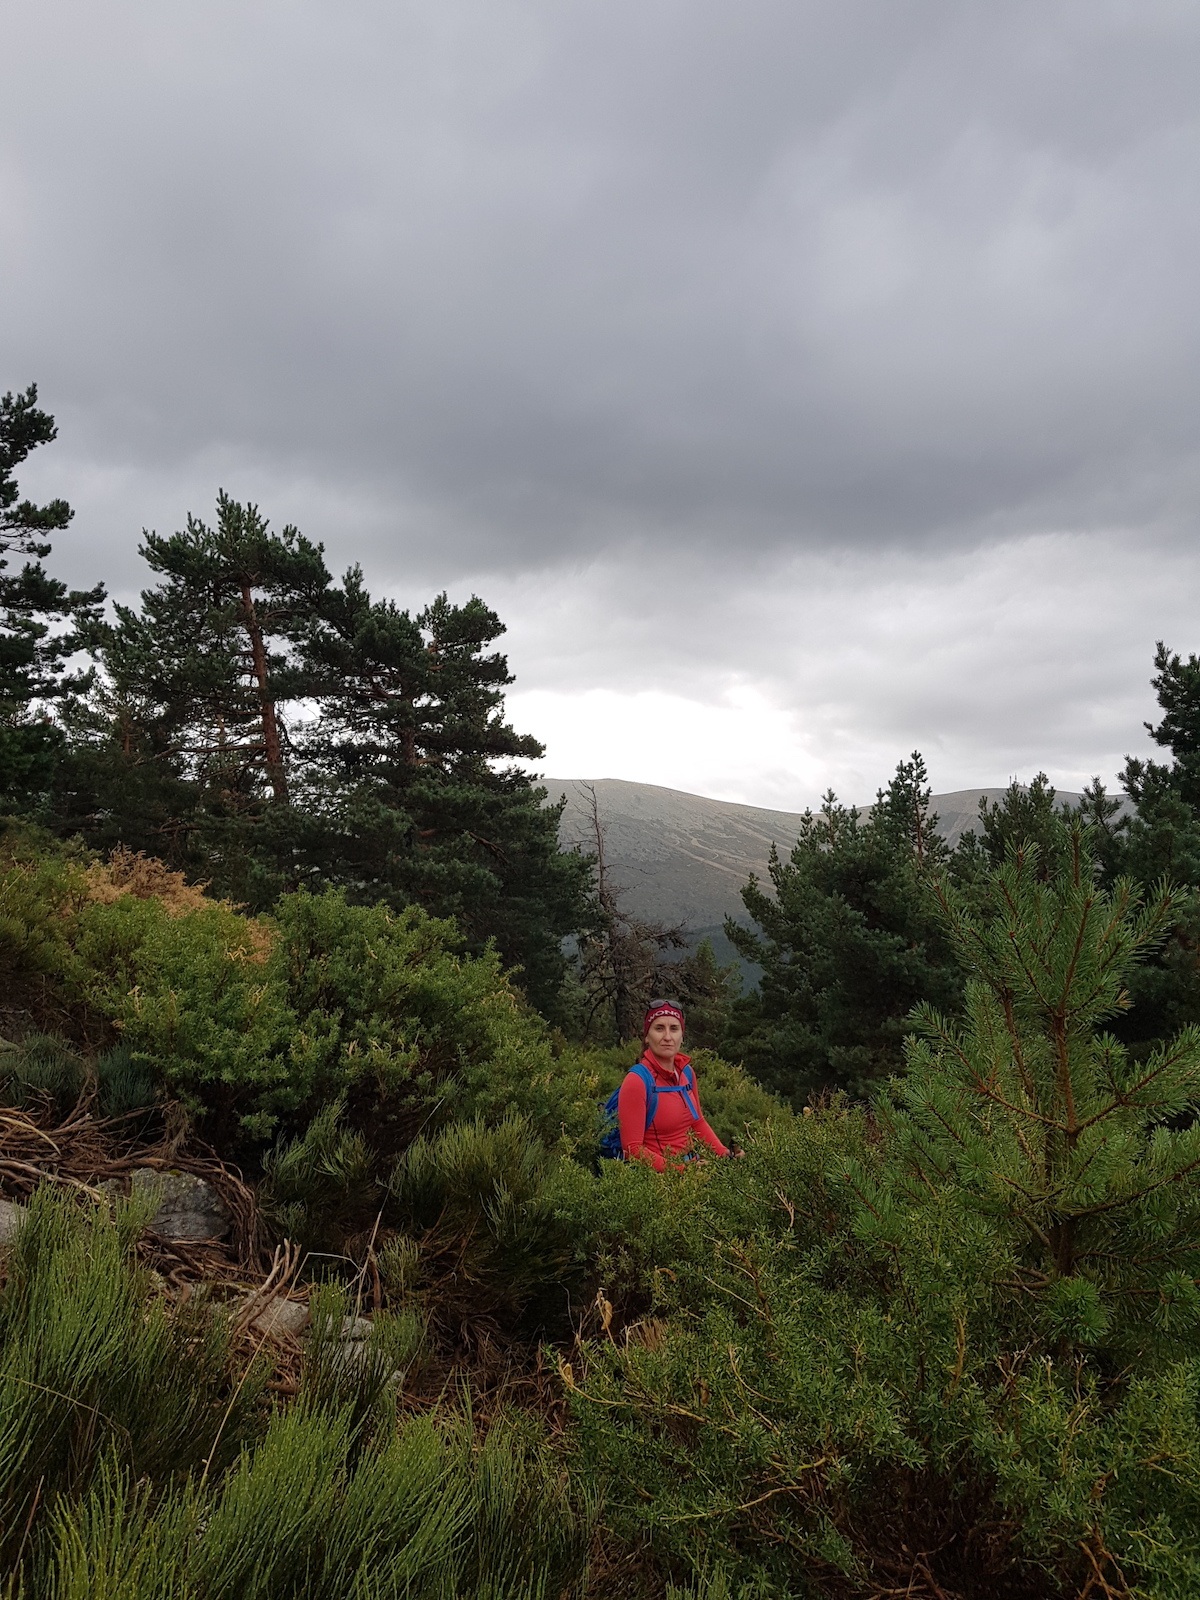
x: 683, y: 858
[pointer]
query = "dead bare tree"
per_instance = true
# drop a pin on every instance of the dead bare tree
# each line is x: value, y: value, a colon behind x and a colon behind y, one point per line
x: 618, y: 964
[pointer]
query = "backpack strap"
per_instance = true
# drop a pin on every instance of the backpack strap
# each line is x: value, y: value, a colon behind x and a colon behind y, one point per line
x: 689, y: 1093
x: 642, y: 1071
x: 686, y: 1092
x: 687, y: 1089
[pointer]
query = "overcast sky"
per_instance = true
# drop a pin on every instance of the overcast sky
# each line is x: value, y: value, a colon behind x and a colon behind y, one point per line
x: 802, y: 382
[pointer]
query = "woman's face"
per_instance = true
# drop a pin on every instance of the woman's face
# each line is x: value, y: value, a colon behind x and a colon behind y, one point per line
x: 664, y: 1036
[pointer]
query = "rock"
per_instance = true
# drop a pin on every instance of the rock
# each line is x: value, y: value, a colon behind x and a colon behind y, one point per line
x: 280, y: 1317
x: 188, y: 1208
x: 355, y: 1328
x: 12, y: 1217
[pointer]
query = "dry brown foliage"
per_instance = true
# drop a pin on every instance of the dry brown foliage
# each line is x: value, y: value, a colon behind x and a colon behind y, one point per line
x: 145, y: 878
x: 260, y: 939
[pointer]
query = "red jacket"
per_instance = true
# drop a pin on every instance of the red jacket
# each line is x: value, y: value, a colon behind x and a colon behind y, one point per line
x: 673, y: 1129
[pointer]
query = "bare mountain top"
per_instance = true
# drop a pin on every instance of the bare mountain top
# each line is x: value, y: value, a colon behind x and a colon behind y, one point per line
x: 684, y: 858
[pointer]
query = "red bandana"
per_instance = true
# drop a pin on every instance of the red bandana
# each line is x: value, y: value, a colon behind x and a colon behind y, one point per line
x: 665, y: 1008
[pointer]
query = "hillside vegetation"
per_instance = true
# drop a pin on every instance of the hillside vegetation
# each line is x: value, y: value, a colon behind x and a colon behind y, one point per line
x: 938, y: 1344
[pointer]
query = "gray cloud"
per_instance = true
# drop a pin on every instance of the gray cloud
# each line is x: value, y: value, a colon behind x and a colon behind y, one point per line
x: 583, y: 295
x: 556, y: 274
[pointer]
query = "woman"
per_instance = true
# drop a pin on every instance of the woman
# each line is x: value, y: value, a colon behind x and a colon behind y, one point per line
x: 658, y: 1107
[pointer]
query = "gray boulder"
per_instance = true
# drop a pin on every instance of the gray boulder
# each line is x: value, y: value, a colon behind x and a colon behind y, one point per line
x: 188, y: 1207
x: 280, y: 1317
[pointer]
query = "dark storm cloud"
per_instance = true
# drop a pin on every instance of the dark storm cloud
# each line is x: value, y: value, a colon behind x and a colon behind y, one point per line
x: 494, y: 286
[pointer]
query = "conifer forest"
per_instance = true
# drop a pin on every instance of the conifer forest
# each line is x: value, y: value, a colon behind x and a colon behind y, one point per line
x: 282, y: 923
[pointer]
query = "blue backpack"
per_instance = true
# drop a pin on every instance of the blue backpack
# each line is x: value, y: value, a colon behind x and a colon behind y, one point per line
x: 610, y: 1139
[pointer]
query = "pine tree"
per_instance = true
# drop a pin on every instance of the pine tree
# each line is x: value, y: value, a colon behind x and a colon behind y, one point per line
x: 1028, y: 1114
x: 1160, y: 835
x: 1026, y: 814
x: 397, y: 787
x: 186, y: 751
x: 1177, y: 686
x: 848, y: 942
x: 409, y: 767
x: 706, y: 990
x: 34, y: 643
x: 1160, y: 839
x: 214, y: 644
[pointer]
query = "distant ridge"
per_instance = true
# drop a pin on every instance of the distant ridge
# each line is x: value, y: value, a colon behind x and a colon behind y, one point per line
x: 682, y: 857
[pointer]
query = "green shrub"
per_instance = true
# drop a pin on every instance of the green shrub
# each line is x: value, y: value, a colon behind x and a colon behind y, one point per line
x: 483, y: 1207
x: 773, y: 1397
x: 359, y: 1378
x: 41, y: 886
x: 735, y: 1105
x: 320, y: 1187
x: 961, y: 1324
x: 43, y: 1068
x: 138, y: 1460
x: 1030, y: 1120
x: 193, y: 1000
x: 95, y: 1367
x: 258, y: 1023
x: 123, y: 1084
x: 429, y: 1513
